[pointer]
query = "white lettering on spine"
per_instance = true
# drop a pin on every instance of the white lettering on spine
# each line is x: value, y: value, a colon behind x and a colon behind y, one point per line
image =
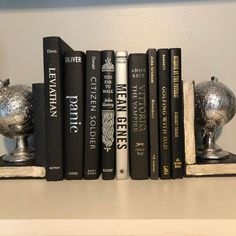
x: 73, y: 113
x: 73, y: 59
x: 52, y: 92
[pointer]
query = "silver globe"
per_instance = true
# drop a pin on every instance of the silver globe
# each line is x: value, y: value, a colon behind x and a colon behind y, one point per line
x: 16, y: 119
x: 215, y: 106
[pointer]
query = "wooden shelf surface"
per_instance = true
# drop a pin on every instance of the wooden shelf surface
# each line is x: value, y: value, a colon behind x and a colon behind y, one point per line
x: 190, y: 198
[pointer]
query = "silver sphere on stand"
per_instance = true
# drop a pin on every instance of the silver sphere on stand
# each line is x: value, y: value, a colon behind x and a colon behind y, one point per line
x: 215, y: 106
x: 16, y: 120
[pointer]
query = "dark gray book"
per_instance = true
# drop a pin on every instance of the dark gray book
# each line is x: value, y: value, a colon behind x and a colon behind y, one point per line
x: 74, y: 78
x: 163, y: 57
x: 176, y: 114
x: 108, y: 114
x: 39, y: 130
x: 153, y: 114
x: 54, y: 49
x: 138, y: 116
x: 92, y: 138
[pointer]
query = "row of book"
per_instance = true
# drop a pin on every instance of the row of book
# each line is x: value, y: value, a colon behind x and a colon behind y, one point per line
x: 111, y: 113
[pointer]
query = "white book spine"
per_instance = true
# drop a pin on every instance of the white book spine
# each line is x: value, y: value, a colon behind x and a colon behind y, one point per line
x: 122, y: 148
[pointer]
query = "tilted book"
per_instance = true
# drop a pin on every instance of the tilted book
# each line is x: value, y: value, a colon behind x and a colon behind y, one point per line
x: 92, y: 150
x: 54, y: 48
x: 108, y: 114
x: 74, y: 76
x: 163, y: 57
x: 122, y: 147
x: 176, y: 111
x: 138, y: 116
x: 153, y: 114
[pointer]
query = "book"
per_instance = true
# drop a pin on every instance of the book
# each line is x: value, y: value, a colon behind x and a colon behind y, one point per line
x: 92, y: 116
x: 176, y: 110
x: 53, y: 55
x: 163, y: 58
x: 39, y: 132
x: 189, y: 118
x: 108, y: 114
x: 138, y: 116
x: 74, y: 76
x: 122, y: 143
x: 153, y: 114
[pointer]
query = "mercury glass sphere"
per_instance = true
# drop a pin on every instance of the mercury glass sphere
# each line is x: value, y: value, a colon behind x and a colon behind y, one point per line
x: 215, y: 104
x: 15, y: 109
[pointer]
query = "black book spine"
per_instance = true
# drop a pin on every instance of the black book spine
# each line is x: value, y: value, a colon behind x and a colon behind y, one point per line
x: 92, y: 115
x: 54, y: 48
x: 108, y: 114
x: 38, y: 96
x: 163, y: 57
x: 153, y: 114
x: 176, y: 110
x: 138, y: 116
x: 74, y: 74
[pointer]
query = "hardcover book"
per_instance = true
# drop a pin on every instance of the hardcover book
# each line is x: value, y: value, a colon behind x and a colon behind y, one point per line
x: 108, y: 114
x: 153, y: 114
x: 54, y: 48
x: 38, y: 100
x: 163, y: 56
x: 122, y: 155
x: 92, y: 115
x: 74, y: 74
x: 138, y: 116
x: 176, y: 111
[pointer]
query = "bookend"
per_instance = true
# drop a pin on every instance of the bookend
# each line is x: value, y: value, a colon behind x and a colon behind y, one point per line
x: 222, y: 167
x: 23, y: 170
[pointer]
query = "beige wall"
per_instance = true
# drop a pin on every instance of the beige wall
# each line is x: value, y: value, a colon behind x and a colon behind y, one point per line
x: 205, y: 30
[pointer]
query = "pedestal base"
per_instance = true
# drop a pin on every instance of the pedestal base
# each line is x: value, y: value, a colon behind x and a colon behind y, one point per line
x: 213, y: 167
x: 21, y: 170
x: 212, y: 154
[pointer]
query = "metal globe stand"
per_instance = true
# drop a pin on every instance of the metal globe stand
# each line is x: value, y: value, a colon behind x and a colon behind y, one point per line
x: 22, y: 152
x: 209, y: 150
x: 215, y: 106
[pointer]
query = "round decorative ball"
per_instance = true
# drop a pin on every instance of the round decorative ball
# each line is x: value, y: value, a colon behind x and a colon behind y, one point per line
x: 15, y: 109
x: 215, y: 104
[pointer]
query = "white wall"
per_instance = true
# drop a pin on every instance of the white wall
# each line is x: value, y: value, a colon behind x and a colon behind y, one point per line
x: 205, y: 30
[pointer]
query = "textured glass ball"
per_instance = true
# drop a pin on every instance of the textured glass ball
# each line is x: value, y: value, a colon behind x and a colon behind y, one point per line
x: 15, y: 109
x: 215, y: 104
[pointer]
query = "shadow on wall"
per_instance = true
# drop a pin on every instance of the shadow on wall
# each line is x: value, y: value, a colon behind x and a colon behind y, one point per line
x: 31, y: 4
